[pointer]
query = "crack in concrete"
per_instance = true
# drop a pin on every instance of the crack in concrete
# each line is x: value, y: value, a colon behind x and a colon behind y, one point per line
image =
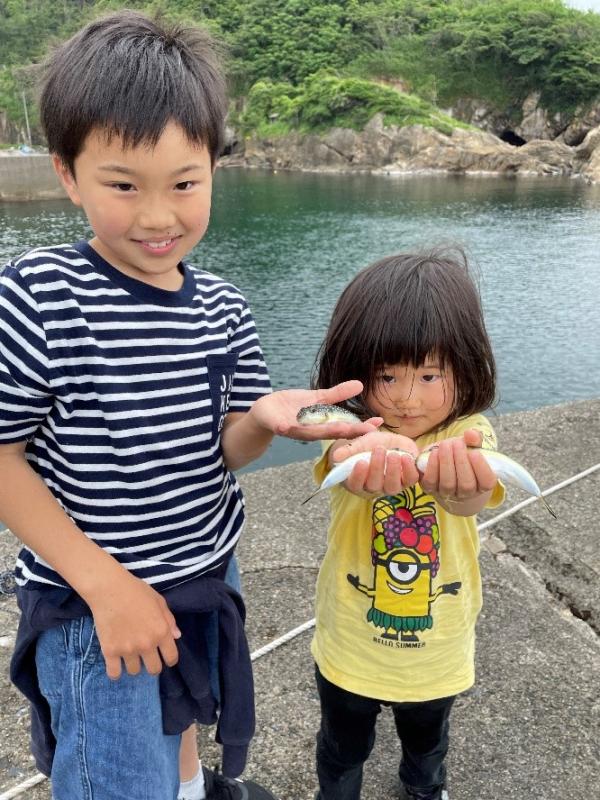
x: 560, y: 595
x: 585, y: 615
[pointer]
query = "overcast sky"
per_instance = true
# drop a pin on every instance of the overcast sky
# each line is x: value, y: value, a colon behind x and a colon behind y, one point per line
x: 584, y: 5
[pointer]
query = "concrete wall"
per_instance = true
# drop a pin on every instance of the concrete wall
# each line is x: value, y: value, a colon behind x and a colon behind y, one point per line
x: 28, y: 177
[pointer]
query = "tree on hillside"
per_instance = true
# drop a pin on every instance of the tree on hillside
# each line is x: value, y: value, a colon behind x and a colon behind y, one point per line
x: 496, y: 51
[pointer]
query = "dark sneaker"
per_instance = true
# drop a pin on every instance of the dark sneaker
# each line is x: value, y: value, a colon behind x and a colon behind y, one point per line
x: 415, y: 794
x: 218, y: 787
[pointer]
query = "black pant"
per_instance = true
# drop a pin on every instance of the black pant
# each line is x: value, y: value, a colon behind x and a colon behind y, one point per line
x: 347, y: 736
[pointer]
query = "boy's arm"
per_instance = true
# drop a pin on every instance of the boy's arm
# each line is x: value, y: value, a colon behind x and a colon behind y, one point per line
x: 245, y: 436
x: 132, y: 620
x: 243, y: 440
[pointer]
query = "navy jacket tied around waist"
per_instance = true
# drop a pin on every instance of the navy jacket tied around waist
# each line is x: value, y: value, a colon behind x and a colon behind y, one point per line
x: 185, y: 688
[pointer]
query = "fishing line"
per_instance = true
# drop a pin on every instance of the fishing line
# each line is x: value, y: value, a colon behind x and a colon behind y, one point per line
x: 268, y: 648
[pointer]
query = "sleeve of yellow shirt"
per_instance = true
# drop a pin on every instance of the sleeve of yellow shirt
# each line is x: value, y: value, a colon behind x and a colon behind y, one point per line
x: 321, y: 466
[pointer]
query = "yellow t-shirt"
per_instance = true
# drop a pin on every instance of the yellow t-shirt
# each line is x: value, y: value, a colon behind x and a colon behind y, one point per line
x: 399, y: 590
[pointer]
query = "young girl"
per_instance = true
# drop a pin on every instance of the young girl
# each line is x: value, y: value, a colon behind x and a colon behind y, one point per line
x: 399, y: 590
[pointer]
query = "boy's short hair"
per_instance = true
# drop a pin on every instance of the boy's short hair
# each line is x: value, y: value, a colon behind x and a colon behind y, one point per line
x: 402, y: 309
x: 129, y: 75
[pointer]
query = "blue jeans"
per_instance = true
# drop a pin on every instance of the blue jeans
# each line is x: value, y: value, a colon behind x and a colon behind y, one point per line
x: 109, y: 739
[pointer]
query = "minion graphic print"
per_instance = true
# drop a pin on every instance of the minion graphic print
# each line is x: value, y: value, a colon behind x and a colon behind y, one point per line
x: 399, y: 589
x: 405, y: 553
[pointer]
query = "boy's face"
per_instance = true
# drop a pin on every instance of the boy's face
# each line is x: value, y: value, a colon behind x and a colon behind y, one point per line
x: 148, y: 207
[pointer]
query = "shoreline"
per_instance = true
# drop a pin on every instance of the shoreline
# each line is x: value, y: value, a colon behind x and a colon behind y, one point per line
x: 24, y: 178
x: 411, y: 173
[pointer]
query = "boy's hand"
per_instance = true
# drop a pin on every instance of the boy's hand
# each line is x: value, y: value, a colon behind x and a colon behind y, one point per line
x: 134, y: 623
x: 459, y: 478
x: 277, y: 413
x: 385, y: 473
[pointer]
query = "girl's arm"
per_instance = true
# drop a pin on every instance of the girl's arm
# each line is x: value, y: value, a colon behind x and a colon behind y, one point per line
x: 246, y: 436
x: 132, y: 620
x: 460, y: 479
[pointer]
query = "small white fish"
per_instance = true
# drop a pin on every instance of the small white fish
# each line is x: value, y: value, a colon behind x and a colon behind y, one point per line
x: 320, y: 413
x: 342, y: 470
x: 504, y: 468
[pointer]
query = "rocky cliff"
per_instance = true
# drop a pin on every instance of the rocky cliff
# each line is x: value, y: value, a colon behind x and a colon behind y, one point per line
x: 390, y: 149
x: 527, y: 121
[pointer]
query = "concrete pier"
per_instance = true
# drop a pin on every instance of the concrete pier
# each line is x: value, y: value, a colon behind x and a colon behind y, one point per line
x: 528, y: 730
x: 28, y: 177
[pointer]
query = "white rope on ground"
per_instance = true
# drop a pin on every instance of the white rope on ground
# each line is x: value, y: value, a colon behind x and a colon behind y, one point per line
x: 30, y: 782
x: 22, y: 787
x: 546, y: 493
x: 278, y: 642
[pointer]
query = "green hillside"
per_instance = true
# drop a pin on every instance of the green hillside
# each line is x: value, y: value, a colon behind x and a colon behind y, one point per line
x: 310, y: 64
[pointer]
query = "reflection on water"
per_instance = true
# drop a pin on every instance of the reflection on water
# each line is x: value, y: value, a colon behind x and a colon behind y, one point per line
x: 292, y: 241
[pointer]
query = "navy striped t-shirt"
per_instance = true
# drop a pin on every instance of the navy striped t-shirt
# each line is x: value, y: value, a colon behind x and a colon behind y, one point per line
x: 120, y: 390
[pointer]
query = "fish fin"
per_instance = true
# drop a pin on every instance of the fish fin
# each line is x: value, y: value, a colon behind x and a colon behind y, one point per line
x: 548, y: 506
x: 310, y: 496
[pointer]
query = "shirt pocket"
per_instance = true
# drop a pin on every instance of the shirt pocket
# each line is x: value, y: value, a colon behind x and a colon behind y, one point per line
x: 221, y: 369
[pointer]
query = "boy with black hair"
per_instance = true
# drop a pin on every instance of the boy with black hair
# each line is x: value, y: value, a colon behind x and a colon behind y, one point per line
x: 131, y: 386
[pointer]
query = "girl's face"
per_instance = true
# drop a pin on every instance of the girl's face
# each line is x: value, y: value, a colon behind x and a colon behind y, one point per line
x: 413, y: 401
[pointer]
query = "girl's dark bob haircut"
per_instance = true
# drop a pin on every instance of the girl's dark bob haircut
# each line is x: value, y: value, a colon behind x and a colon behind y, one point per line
x: 401, y: 310
x: 129, y: 75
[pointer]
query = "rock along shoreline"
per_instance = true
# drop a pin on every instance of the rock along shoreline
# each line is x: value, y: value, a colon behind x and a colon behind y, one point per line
x: 415, y: 149
x: 377, y: 149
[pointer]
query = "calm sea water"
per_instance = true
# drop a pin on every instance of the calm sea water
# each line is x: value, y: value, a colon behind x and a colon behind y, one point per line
x: 292, y: 241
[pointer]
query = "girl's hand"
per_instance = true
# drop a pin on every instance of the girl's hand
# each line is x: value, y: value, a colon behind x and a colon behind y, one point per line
x: 134, y: 624
x: 277, y: 413
x: 460, y: 479
x: 384, y: 474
